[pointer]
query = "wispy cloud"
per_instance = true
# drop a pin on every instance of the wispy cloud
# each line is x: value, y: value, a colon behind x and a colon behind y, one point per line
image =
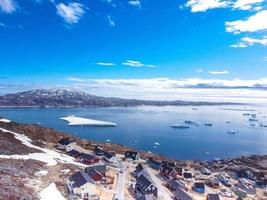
x: 204, y: 5
x: 8, y: 6
x: 75, y: 79
x: 219, y: 72
x: 254, y: 23
x: 247, y: 4
x: 111, y: 21
x: 248, y: 41
x: 105, y: 63
x: 135, y: 3
x: 71, y: 12
x: 134, y: 63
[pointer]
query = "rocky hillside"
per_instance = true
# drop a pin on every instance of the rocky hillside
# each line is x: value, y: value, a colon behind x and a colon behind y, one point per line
x: 63, y: 98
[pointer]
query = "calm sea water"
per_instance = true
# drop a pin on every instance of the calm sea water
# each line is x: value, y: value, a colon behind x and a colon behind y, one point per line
x: 142, y: 127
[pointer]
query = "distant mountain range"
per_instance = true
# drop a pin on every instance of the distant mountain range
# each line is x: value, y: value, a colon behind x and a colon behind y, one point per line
x: 74, y: 98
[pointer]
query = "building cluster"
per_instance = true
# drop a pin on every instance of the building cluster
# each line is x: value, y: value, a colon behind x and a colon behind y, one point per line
x: 183, y: 182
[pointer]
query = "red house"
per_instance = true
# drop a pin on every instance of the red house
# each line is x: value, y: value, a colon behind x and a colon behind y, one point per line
x: 95, y: 175
x: 88, y: 159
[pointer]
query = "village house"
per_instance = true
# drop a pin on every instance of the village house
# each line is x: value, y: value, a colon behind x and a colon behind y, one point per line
x: 213, y: 197
x: 66, y: 144
x: 138, y: 169
x: 187, y: 175
x: 153, y: 163
x: 145, y: 186
x: 98, y: 151
x: 199, y: 187
x: 88, y: 159
x: 131, y: 155
x: 82, y: 185
x: 182, y: 195
x: 110, y: 157
x: 95, y: 175
x: 174, y: 185
x: 213, y: 183
x: 100, y: 168
x: 74, y: 153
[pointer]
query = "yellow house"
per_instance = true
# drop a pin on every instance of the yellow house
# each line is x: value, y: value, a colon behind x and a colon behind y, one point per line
x: 83, y: 186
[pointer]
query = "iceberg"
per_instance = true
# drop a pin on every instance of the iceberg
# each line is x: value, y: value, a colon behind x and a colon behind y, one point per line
x: 79, y: 121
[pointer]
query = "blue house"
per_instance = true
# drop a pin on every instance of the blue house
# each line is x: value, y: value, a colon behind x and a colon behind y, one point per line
x: 199, y: 187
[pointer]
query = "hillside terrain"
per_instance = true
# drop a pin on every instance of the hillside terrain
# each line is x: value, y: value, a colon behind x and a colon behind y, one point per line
x: 74, y: 98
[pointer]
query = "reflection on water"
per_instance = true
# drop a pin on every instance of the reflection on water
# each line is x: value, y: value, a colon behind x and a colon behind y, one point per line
x: 148, y: 128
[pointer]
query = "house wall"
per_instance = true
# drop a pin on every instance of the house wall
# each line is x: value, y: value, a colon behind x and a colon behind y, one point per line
x: 87, y: 188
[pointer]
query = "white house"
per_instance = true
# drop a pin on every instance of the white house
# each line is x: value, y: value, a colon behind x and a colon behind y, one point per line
x: 82, y: 185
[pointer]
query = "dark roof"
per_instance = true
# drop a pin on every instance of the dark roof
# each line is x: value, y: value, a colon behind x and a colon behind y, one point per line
x: 141, y: 196
x: 92, y: 172
x: 100, y: 168
x: 187, y: 175
x: 131, y: 154
x: 138, y: 168
x: 80, y: 178
x: 143, y: 182
x: 167, y: 164
x: 213, y: 197
x: 154, y: 162
x: 199, y: 185
x: 73, y: 153
x: 182, y: 195
x: 108, y: 155
x: 64, y: 141
x: 176, y: 184
x: 86, y: 156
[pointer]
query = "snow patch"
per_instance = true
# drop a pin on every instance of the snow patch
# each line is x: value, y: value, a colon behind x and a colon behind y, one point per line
x: 79, y: 121
x: 48, y: 156
x: 65, y: 171
x: 5, y: 120
x: 51, y: 192
x: 41, y: 173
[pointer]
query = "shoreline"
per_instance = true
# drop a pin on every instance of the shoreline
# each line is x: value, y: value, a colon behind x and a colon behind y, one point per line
x: 55, y: 135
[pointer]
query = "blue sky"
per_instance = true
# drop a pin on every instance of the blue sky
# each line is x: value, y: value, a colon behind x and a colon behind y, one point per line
x: 45, y: 43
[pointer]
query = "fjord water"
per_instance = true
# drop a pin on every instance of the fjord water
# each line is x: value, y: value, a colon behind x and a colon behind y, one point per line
x: 142, y: 127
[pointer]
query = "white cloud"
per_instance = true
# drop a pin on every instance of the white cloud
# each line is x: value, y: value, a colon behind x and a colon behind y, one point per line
x: 71, y: 12
x: 134, y: 63
x: 248, y: 41
x: 136, y: 3
x: 204, y: 5
x: 247, y: 4
x: 7, y: 6
x: 265, y: 58
x: 105, y: 63
x: 111, y: 21
x: 75, y: 79
x: 199, y: 70
x: 254, y: 23
x: 194, y: 89
x: 219, y: 72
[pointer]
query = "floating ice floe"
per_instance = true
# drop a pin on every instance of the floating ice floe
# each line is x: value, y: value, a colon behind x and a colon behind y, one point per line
x: 50, y: 157
x: 79, y: 121
x: 5, y: 120
x: 51, y: 192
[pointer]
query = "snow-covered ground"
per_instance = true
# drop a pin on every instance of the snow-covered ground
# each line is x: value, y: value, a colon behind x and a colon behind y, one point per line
x: 5, y: 120
x: 51, y: 193
x: 48, y: 156
x: 79, y: 121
